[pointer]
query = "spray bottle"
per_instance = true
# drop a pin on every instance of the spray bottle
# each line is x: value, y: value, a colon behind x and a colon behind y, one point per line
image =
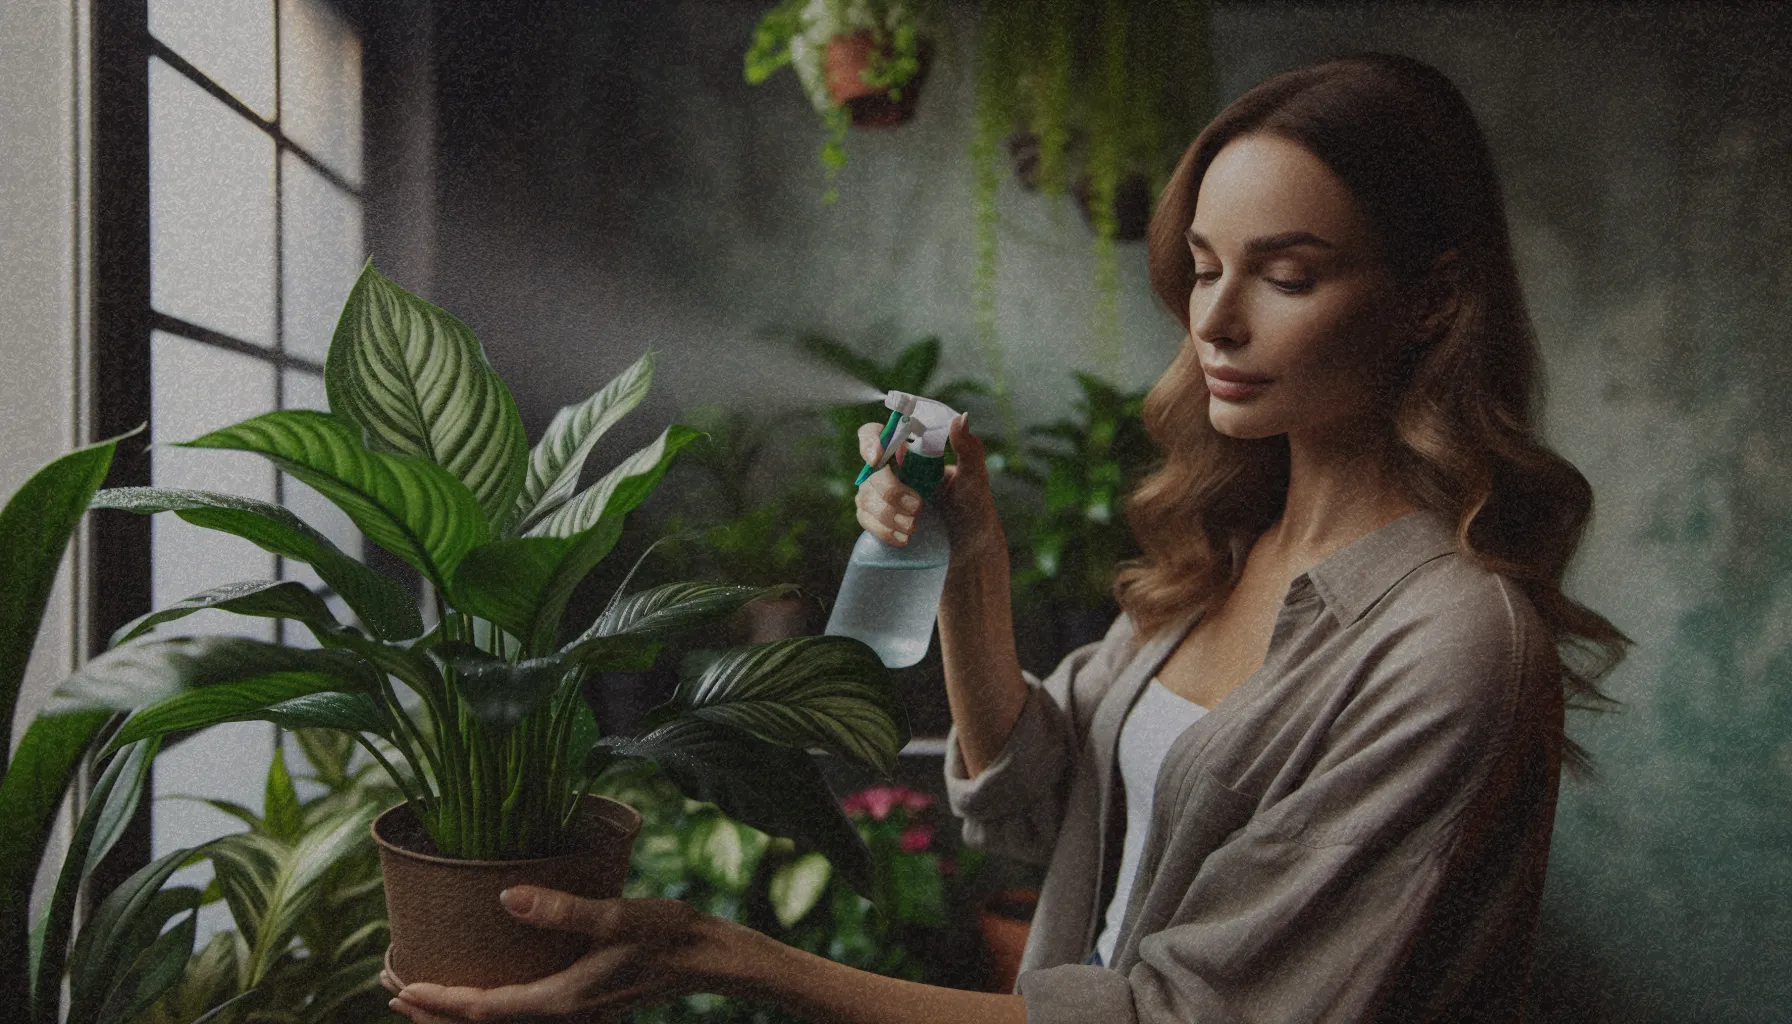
x: 891, y: 595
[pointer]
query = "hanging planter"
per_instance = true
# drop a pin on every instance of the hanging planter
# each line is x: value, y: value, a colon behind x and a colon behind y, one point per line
x: 1093, y: 97
x: 860, y: 62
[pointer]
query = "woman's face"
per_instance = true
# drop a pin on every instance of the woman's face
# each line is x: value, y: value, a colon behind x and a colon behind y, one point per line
x: 1288, y: 290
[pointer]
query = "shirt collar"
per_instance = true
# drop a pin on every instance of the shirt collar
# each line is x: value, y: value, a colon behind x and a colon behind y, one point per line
x: 1360, y: 573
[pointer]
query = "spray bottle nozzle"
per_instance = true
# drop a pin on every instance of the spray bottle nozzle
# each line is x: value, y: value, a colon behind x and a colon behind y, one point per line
x: 911, y: 417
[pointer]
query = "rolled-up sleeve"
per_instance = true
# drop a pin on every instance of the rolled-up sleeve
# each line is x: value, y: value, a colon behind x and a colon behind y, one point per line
x: 1014, y: 806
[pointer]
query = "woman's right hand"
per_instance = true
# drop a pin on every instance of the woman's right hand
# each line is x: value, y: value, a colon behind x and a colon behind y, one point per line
x: 887, y: 507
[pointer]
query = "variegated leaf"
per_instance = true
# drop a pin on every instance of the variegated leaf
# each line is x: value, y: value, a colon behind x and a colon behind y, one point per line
x: 407, y: 505
x: 813, y: 691
x: 559, y: 456
x: 621, y: 489
x: 263, y: 598
x: 415, y: 378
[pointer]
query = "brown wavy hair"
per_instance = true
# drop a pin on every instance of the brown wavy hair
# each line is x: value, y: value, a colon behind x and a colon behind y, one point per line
x: 1461, y: 402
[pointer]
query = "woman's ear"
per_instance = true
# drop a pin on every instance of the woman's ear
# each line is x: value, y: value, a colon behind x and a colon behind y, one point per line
x: 1439, y: 296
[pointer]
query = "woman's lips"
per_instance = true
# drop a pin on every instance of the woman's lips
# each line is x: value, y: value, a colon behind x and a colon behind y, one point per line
x: 1231, y: 384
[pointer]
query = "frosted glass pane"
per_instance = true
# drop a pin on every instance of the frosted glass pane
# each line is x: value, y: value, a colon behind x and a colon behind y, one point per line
x: 321, y: 237
x: 231, y: 41
x: 194, y: 389
x: 320, y: 85
x: 306, y: 391
x: 211, y: 211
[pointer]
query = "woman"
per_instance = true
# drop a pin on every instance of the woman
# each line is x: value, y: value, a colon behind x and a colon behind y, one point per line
x: 1310, y: 772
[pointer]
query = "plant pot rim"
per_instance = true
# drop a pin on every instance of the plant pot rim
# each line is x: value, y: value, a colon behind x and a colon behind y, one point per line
x: 634, y: 817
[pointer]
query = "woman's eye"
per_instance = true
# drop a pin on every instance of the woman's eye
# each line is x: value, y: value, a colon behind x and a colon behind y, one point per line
x: 1292, y: 285
x: 1206, y: 276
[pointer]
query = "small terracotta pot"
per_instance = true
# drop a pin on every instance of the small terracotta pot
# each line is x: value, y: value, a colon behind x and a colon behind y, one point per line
x: 777, y: 619
x: 1006, y: 918
x: 868, y: 105
x: 447, y: 925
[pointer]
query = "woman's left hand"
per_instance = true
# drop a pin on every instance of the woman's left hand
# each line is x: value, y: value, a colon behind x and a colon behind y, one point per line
x: 641, y: 951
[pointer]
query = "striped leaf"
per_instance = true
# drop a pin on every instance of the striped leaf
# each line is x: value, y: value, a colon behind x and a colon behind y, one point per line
x: 621, y: 489
x: 407, y: 505
x: 523, y: 583
x: 830, y: 692
x: 267, y: 599
x: 773, y: 788
x: 386, y: 607
x: 559, y: 456
x: 151, y: 672
x: 414, y: 377
x: 658, y: 611
x: 126, y: 923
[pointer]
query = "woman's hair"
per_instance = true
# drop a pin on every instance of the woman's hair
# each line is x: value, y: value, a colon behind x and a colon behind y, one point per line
x: 1461, y: 403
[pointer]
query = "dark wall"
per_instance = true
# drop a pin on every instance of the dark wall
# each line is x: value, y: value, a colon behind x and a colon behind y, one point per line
x: 605, y: 181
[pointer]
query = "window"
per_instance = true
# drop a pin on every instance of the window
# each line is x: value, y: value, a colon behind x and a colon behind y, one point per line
x: 254, y: 238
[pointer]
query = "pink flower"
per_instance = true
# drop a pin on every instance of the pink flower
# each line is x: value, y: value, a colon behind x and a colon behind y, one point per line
x: 916, y: 838
x: 879, y: 801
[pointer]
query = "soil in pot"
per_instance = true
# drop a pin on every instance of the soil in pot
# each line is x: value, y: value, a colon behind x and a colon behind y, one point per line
x: 447, y: 925
x: 869, y: 106
x: 1006, y: 918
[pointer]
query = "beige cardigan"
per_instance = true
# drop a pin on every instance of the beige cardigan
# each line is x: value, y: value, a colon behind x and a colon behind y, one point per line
x: 1358, y: 832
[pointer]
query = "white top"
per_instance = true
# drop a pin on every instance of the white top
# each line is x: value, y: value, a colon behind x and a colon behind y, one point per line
x: 1153, y: 724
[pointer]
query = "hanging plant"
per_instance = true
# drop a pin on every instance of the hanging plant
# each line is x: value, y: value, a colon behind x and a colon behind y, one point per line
x: 1093, y: 97
x: 860, y: 62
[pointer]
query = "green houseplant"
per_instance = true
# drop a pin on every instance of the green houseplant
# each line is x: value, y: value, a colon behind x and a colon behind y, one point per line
x: 1102, y: 96
x: 302, y: 883
x: 860, y: 62
x: 492, y: 745
x: 1072, y: 542
x: 126, y: 954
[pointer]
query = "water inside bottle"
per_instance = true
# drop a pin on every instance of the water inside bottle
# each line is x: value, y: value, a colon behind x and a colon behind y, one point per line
x: 891, y: 607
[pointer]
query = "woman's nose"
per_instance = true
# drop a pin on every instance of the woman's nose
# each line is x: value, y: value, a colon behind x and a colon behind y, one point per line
x: 1216, y: 315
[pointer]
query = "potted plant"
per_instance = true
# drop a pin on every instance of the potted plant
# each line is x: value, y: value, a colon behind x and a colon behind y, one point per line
x: 860, y: 62
x: 492, y: 745
x: 1094, y: 97
x: 135, y: 938
x: 302, y: 884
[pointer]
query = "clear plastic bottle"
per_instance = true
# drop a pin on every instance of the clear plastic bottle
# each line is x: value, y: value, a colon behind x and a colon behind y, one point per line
x: 890, y: 595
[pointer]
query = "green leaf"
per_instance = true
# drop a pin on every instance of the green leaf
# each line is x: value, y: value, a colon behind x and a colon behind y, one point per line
x: 560, y: 455
x: 621, y: 489
x: 35, y: 527
x: 811, y: 691
x: 840, y: 357
x: 662, y: 610
x: 415, y: 378
x: 724, y: 852
x: 114, y: 936
x: 281, y: 812
x: 31, y: 795
x: 271, y: 886
x: 915, y: 366
x: 346, y: 712
x: 388, y: 609
x: 773, y: 788
x: 188, y: 682
x: 797, y: 886
x: 523, y: 583
x: 110, y: 807
x: 502, y: 693
x: 407, y: 505
x: 155, y: 971
x: 268, y: 599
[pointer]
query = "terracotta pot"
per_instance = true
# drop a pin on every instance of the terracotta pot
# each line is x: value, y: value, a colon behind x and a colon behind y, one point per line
x: 868, y: 105
x: 447, y: 925
x: 1006, y: 918
x: 777, y: 619
x: 1132, y: 205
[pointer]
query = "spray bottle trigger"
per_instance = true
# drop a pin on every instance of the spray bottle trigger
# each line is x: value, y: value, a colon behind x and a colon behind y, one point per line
x: 887, y: 442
